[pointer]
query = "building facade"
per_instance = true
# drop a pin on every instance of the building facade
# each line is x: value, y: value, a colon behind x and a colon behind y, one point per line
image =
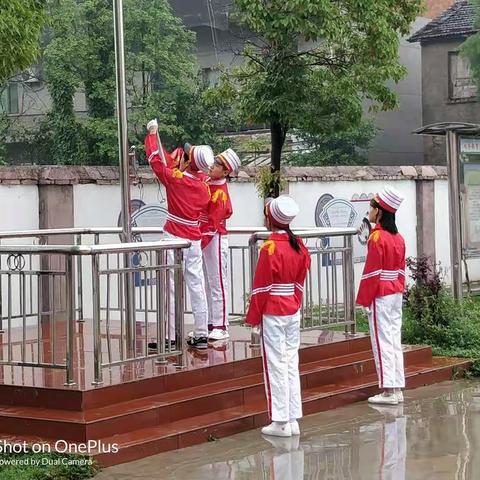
x: 219, y: 40
x: 449, y: 93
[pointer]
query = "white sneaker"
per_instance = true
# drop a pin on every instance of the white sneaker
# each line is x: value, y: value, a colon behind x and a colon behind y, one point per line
x: 384, y: 398
x: 277, y: 429
x: 285, y: 443
x: 391, y: 412
x: 399, y: 395
x: 295, y: 427
x: 218, y: 334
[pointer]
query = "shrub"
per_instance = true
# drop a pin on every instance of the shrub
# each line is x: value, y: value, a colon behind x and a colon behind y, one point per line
x: 432, y: 316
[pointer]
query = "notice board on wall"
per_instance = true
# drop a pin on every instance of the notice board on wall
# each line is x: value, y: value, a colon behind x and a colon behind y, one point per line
x: 470, y: 191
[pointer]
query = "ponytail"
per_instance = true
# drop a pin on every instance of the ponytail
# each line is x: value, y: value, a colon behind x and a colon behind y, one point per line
x: 293, y: 240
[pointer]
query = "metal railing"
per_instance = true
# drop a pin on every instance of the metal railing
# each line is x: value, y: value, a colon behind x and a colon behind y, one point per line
x: 52, y: 318
x: 53, y: 284
x: 79, y: 236
x: 328, y: 263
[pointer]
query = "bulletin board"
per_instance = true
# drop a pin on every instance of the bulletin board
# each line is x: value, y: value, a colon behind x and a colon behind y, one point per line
x: 470, y: 194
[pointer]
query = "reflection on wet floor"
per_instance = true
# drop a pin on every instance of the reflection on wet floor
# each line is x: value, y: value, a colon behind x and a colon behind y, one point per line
x: 434, y: 435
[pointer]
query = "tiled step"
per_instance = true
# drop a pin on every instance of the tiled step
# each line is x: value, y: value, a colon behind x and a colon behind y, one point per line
x: 218, y: 373
x: 176, y: 405
x: 73, y: 399
x: 220, y: 423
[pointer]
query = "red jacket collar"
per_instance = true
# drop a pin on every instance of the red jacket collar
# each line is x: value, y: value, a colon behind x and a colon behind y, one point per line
x: 282, y: 235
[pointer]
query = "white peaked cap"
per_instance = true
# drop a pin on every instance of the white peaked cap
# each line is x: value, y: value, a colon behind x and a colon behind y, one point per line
x: 202, y: 157
x: 152, y: 123
x: 389, y: 199
x: 283, y: 209
x: 230, y: 159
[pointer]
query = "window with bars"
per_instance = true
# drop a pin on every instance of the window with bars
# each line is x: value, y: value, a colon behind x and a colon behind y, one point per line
x: 9, y: 99
x: 460, y: 82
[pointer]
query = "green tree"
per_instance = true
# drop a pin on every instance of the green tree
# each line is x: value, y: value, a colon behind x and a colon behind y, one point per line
x: 471, y: 47
x: 161, y: 74
x: 309, y: 64
x: 64, y: 63
x: 98, y: 76
x: 161, y: 70
x: 99, y: 72
x: 21, y: 23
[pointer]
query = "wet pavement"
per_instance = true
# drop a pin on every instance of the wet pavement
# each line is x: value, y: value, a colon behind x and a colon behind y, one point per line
x: 434, y: 435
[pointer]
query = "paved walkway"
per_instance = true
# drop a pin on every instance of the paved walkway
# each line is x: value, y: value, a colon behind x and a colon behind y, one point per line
x: 435, y: 435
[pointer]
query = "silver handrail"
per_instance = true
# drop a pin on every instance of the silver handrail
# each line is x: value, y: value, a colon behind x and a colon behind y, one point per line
x: 94, y: 249
x: 50, y: 232
x: 334, y: 262
x: 309, y: 232
x: 57, y: 274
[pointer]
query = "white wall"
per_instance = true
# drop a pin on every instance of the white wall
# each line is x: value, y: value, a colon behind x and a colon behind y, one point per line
x: 442, y: 227
x: 98, y: 205
x: 19, y: 212
x: 308, y: 193
x: 19, y: 208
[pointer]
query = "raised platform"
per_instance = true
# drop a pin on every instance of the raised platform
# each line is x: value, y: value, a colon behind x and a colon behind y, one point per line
x: 147, y: 408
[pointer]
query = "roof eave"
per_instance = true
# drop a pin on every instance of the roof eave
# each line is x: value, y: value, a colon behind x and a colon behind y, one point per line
x: 437, y: 38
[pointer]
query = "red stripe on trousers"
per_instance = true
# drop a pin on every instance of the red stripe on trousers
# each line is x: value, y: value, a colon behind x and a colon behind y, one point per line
x: 267, y: 380
x: 379, y: 351
x: 221, y: 277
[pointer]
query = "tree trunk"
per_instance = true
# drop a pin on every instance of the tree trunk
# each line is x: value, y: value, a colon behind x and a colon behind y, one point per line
x: 278, y: 134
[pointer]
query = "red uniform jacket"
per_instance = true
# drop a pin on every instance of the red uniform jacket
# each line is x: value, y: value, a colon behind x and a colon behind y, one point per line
x: 187, y: 194
x: 218, y: 211
x: 384, y: 272
x: 151, y: 149
x: 279, y: 278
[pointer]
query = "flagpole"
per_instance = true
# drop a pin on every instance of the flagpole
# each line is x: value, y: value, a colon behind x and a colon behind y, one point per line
x: 126, y: 235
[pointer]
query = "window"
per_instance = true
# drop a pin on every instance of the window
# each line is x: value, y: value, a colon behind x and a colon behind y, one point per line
x: 461, y: 85
x: 9, y: 99
x: 210, y: 76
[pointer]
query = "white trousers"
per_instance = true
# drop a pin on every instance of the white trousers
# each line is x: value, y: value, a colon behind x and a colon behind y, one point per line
x: 280, y: 343
x: 195, y: 281
x: 394, y: 449
x: 385, y: 320
x: 215, y: 265
x: 285, y: 461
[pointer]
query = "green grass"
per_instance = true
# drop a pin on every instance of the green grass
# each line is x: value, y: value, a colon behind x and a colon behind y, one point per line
x: 451, y: 328
x: 34, y: 466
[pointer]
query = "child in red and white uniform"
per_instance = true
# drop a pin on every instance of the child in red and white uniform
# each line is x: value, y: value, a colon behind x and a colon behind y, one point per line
x: 381, y: 293
x: 187, y: 197
x: 215, y: 243
x: 275, y: 304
